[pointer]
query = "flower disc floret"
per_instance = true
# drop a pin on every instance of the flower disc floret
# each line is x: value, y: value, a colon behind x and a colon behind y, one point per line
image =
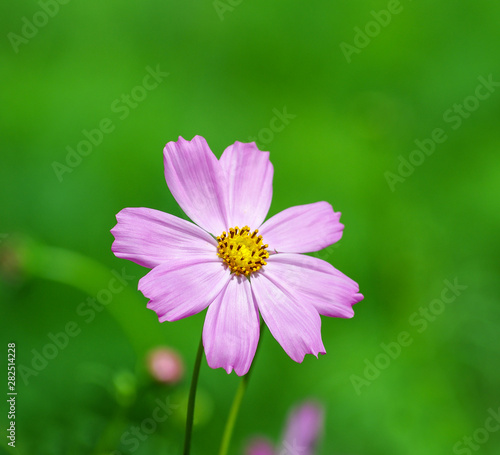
x: 242, y: 250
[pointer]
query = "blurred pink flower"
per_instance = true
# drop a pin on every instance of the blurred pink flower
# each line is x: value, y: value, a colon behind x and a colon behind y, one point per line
x: 302, y: 432
x: 165, y: 365
x: 222, y: 262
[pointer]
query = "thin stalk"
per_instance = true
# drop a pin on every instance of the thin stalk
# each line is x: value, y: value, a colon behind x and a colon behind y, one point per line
x: 192, y: 398
x: 235, y: 407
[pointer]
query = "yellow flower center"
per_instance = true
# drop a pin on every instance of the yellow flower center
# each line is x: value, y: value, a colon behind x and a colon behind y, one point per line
x: 242, y: 250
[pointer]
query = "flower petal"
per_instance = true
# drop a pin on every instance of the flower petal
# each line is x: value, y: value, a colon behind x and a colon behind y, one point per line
x: 184, y: 287
x: 197, y: 182
x: 304, y: 427
x: 316, y: 282
x: 231, y: 330
x: 295, y: 325
x: 150, y: 237
x: 249, y: 175
x: 303, y: 228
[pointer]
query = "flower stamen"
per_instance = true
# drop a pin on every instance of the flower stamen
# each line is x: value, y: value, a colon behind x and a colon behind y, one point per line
x: 243, y: 251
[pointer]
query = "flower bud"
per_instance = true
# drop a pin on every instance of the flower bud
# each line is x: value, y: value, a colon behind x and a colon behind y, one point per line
x: 165, y: 365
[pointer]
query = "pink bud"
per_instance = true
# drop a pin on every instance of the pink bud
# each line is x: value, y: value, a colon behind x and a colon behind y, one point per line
x: 259, y: 446
x: 165, y: 365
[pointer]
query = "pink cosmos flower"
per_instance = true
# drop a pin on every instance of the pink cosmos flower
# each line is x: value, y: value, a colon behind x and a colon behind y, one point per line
x: 303, y: 429
x: 233, y: 262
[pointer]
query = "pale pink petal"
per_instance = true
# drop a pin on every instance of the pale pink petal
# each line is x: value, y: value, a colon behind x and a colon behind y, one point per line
x: 302, y: 229
x: 231, y: 330
x: 150, y: 237
x: 316, y: 282
x: 304, y: 427
x: 181, y: 288
x: 295, y: 325
x: 197, y: 182
x: 249, y: 176
x: 259, y: 446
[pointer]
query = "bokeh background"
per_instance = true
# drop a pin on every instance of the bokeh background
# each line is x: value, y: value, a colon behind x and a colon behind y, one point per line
x: 232, y: 68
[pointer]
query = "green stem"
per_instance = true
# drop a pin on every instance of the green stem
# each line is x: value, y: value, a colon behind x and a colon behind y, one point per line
x: 192, y: 398
x: 235, y: 407
x: 233, y: 414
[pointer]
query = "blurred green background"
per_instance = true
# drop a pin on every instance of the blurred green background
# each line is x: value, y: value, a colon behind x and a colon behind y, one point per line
x: 356, y: 113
